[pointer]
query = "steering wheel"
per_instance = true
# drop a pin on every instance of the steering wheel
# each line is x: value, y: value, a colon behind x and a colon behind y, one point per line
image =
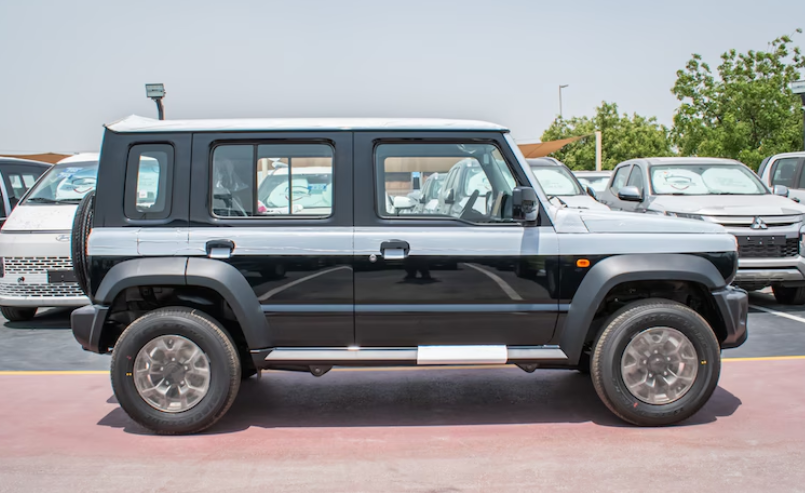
x: 468, y: 211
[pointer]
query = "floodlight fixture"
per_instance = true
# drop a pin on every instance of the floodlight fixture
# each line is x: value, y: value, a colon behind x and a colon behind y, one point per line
x: 157, y: 92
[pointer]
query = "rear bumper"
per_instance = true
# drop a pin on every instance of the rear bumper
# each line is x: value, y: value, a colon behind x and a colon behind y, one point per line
x: 733, y: 304
x: 87, y: 325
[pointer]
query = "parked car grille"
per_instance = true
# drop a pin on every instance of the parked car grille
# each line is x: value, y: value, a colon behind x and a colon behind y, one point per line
x: 28, y: 277
x: 790, y: 249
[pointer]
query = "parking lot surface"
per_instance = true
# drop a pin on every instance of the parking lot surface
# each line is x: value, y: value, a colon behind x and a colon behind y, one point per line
x: 408, y: 429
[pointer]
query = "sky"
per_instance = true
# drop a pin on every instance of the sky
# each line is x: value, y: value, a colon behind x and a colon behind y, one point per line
x: 66, y: 68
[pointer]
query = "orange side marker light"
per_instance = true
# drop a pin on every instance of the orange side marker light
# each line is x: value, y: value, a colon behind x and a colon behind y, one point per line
x: 582, y: 262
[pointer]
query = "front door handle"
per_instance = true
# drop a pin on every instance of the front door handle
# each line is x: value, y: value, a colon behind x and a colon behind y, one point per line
x: 220, y: 249
x: 394, y: 249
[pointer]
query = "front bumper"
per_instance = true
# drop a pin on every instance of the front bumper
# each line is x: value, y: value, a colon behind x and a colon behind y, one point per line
x: 43, y: 301
x: 87, y: 325
x: 733, y: 306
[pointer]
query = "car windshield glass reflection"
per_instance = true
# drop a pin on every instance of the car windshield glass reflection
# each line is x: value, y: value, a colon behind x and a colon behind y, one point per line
x: 556, y: 180
x: 713, y: 179
x: 65, y: 183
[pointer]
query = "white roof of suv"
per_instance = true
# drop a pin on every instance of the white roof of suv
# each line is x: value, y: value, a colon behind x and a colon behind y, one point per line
x: 140, y: 124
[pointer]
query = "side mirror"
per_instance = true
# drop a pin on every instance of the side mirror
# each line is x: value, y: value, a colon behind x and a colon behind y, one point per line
x: 780, y: 190
x: 630, y: 193
x: 524, y: 204
x: 403, y: 203
x: 591, y: 192
x: 451, y: 197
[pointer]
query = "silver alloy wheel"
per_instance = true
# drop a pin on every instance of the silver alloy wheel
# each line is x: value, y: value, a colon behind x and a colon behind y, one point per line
x: 659, y: 365
x: 171, y: 373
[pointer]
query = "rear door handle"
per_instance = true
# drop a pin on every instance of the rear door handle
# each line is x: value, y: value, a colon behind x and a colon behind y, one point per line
x: 220, y: 249
x: 394, y: 249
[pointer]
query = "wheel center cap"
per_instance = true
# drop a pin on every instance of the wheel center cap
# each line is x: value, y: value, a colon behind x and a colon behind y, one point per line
x: 657, y: 364
x: 174, y: 372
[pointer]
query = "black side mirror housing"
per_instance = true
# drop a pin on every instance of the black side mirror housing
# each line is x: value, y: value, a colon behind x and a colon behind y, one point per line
x: 451, y: 197
x: 630, y: 193
x: 524, y: 204
x: 591, y: 192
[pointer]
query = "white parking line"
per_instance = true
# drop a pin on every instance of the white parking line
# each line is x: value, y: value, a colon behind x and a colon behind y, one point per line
x: 506, y: 287
x: 779, y: 314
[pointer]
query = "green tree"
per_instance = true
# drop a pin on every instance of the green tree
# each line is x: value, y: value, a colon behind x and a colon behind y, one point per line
x: 623, y: 137
x: 745, y: 111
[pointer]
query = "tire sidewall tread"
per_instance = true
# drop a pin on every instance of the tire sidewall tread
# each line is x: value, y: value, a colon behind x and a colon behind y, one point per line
x: 205, y: 332
x: 621, y: 328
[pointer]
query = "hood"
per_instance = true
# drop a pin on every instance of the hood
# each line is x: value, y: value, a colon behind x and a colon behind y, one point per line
x: 580, y: 221
x: 580, y: 202
x: 727, y: 205
x: 41, y: 217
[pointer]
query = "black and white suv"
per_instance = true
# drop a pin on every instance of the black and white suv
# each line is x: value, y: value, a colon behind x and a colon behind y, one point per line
x: 205, y: 283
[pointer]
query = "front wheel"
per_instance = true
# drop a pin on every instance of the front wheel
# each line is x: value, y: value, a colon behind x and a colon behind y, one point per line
x: 789, y: 296
x: 175, y: 370
x: 656, y: 363
x: 18, y: 314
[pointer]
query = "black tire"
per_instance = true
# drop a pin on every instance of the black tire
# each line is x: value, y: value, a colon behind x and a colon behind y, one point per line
x: 18, y: 314
x: 789, y: 296
x: 82, y: 224
x: 621, y: 328
x: 207, y: 334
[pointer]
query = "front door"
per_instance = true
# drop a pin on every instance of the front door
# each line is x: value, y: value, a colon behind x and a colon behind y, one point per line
x: 278, y: 207
x: 466, y: 274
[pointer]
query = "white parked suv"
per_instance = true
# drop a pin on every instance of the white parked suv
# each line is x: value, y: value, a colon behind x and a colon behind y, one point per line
x: 786, y: 170
x: 35, y: 241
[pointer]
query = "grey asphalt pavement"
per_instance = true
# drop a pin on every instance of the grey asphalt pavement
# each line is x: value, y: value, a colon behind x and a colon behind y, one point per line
x: 46, y: 343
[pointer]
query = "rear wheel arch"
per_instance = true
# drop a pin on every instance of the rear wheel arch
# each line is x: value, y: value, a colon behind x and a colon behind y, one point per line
x: 181, y: 281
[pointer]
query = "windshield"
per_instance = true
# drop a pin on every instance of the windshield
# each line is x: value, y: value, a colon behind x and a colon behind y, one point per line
x: 556, y: 180
x: 64, y: 183
x: 705, y: 179
x: 597, y: 183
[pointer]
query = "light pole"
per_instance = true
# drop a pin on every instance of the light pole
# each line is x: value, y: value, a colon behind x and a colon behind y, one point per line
x: 157, y: 92
x: 561, y: 86
x: 798, y: 87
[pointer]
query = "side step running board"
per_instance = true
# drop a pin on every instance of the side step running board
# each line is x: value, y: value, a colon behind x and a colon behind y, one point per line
x: 422, y: 355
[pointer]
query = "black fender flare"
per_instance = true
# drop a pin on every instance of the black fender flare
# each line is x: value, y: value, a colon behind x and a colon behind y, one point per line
x: 183, y: 271
x: 611, y: 271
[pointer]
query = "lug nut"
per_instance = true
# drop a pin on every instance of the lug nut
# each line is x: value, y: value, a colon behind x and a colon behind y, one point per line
x: 665, y: 373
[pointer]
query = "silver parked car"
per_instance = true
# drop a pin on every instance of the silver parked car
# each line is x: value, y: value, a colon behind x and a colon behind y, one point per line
x: 768, y: 226
x: 561, y: 187
x: 787, y: 170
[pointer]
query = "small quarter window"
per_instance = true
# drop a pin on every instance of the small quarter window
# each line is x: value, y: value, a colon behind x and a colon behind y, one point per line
x: 148, y: 181
x: 272, y: 180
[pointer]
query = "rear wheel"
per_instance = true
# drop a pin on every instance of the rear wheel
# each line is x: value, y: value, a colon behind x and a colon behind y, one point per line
x: 789, y: 296
x: 656, y: 363
x: 175, y: 370
x: 18, y: 314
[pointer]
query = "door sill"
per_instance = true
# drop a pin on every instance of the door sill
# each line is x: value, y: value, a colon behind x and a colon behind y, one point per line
x: 422, y: 355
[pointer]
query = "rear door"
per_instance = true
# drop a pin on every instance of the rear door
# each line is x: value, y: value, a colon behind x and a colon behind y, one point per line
x: 452, y: 278
x: 278, y: 207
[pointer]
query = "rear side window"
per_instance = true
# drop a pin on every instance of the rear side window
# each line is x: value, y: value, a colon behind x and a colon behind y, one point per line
x: 785, y: 172
x: 619, y: 181
x: 20, y: 183
x: 272, y: 180
x: 149, y: 173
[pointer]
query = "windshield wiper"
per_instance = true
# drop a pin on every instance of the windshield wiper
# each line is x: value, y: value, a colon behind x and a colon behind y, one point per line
x: 551, y: 197
x: 42, y: 200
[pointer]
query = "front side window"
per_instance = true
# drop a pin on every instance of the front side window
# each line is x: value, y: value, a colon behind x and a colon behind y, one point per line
x: 597, y: 183
x: 556, y: 181
x: 477, y: 187
x: 785, y: 172
x: 64, y: 184
x: 272, y: 180
x: 621, y: 174
x: 636, y: 178
x: 705, y: 179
